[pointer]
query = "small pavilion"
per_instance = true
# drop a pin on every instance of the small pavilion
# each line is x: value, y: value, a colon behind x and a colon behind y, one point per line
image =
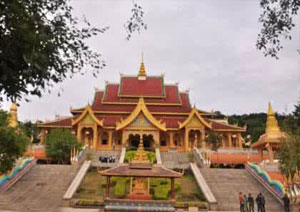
x: 271, y: 139
x: 140, y: 170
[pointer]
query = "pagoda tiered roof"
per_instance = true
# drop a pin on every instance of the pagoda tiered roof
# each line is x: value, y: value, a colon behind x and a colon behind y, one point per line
x: 164, y: 102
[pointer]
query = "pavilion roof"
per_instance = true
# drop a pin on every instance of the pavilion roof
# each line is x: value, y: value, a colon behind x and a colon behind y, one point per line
x: 124, y: 170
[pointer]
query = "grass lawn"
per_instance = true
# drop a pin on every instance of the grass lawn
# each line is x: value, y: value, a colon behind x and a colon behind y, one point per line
x: 189, y: 189
x: 93, y: 188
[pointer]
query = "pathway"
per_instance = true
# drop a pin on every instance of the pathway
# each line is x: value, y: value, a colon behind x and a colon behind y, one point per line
x: 41, y: 189
x: 227, y: 183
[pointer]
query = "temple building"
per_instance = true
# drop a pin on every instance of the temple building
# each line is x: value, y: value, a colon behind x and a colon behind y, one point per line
x: 144, y: 107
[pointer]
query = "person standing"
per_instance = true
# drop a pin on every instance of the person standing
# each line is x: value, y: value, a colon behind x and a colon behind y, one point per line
x: 246, y: 203
x: 258, y: 202
x: 251, y: 203
x: 241, y: 199
x: 263, y: 209
x: 286, y: 203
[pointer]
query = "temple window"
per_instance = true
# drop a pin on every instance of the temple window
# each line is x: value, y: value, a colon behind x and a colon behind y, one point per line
x: 104, y: 138
x: 177, y: 140
x: 163, y: 139
x: 163, y: 143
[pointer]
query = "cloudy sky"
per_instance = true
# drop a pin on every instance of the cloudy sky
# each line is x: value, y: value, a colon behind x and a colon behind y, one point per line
x: 208, y: 46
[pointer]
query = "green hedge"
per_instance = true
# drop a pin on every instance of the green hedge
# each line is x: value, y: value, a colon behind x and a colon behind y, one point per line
x: 161, y: 188
x: 120, y: 186
x: 89, y: 202
x: 200, y: 205
x: 130, y: 155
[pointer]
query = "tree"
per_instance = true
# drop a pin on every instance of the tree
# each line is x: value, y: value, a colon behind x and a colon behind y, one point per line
x: 296, y: 114
x: 214, y: 139
x: 13, y: 143
x: 277, y: 23
x: 289, y: 157
x: 136, y: 22
x: 41, y: 45
x: 59, y: 144
x: 31, y: 130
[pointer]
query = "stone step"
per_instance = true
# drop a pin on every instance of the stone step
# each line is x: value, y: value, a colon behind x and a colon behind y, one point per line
x: 227, y: 183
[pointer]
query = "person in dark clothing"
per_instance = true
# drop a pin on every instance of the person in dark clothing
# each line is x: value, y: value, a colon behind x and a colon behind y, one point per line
x: 251, y: 203
x: 258, y: 202
x: 286, y: 203
x: 241, y: 199
x: 263, y: 209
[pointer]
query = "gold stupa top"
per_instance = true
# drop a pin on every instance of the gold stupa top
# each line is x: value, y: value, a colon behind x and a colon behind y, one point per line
x: 272, y: 124
x: 13, y: 119
x: 142, y: 71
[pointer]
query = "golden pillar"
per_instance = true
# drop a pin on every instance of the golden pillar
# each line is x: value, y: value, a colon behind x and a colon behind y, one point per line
x: 95, y: 137
x: 110, y: 133
x: 229, y: 138
x: 171, y: 139
x: 79, y: 133
x: 186, y: 139
x: 239, y: 139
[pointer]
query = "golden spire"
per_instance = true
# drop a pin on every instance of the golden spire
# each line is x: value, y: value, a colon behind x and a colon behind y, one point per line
x: 142, y: 71
x: 13, y: 120
x: 140, y: 155
x: 272, y: 124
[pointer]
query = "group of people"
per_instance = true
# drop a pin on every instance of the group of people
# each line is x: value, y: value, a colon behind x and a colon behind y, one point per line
x: 247, y: 203
x: 107, y: 159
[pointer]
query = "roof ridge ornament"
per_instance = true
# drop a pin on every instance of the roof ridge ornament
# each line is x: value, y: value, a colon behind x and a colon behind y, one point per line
x: 142, y: 72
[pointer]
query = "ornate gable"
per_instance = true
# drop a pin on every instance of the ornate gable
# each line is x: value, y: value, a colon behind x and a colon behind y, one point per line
x: 141, y: 116
x: 195, y: 120
x: 87, y: 117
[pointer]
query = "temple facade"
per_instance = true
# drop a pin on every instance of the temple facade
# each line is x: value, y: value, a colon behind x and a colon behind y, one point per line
x: 144, y: 107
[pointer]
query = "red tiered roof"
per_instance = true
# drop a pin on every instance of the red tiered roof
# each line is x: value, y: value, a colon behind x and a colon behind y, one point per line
x: 165, y: 102
x: 151, y: 86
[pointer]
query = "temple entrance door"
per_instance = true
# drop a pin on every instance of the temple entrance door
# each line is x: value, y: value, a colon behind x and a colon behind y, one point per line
x: 148, y: 142
x: 134, y: 141
x: 87, y: 136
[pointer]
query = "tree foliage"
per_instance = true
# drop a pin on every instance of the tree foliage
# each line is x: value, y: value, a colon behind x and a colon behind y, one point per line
x: 41, y: 45
x: 13, y: 143
x: 215, y: 139
x: 277, y: 21
x: 136, y: 22
x: 289, y: 157
x: 59, y: 143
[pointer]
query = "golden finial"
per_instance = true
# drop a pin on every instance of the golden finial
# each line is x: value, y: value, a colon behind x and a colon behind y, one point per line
x: 272, y: 124
x: 142, y: 71
x: 13, y: 120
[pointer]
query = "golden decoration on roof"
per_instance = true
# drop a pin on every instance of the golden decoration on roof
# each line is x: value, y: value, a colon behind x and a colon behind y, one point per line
x: 142, y: 71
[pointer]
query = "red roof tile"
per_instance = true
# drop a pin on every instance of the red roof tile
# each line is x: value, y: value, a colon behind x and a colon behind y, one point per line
x: 151, y: 86
x: 64, y: 122
x: 223, y: 126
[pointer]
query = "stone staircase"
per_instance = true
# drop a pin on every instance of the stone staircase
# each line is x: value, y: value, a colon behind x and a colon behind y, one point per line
x: 96, y: 154
x: 41, y: 189
x: 176, y: 160
x: 227, y: 183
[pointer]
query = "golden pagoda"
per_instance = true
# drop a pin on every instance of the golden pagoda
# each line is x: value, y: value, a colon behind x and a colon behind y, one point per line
x: 13, y: 119
x: 272, y: 137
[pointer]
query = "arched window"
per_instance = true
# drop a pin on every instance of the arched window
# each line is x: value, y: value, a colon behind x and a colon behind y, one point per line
x: 104, y: 138
x: 163, y: 139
